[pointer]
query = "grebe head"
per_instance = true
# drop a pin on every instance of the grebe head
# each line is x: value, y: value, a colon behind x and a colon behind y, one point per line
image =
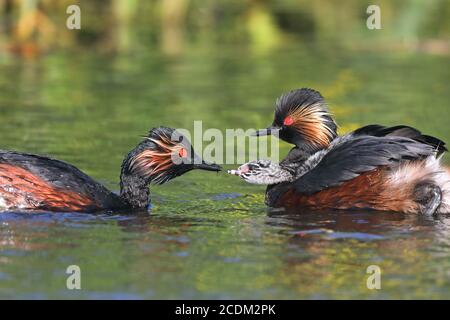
x: 302, y: 118
x: 262, y: 172
x: 163, y: 155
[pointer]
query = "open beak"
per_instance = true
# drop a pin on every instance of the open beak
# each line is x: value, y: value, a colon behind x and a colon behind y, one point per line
x: 208, y: 166
x: 234, y: 172
x: 266, y: 131
x: 242, y: 169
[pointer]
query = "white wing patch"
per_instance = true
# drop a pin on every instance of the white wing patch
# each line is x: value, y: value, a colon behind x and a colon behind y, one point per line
x: 3, y: 203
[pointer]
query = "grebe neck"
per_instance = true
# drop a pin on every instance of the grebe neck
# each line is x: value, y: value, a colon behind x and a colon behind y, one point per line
x: 134, y: 186
x: 134, y: 190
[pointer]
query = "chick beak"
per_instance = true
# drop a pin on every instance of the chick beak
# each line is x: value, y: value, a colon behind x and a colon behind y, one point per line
x: 242, y: 169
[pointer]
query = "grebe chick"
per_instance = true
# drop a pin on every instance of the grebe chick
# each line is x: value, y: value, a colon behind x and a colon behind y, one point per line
x: 30, y: 182
x: 374, y: 167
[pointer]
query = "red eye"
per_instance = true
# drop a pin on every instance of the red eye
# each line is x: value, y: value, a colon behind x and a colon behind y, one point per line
x: 288, y: 121
x: 182, y: 153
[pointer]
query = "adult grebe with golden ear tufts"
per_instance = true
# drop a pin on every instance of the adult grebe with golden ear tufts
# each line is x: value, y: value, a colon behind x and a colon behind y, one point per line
x: 32, y: 182
x: 375, y: 167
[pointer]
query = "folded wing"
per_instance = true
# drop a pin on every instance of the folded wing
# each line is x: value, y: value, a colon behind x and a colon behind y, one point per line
x: 363, y: 153
x: 402, y: 131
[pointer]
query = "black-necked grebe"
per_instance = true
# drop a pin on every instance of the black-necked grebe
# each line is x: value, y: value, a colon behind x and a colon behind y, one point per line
x: 32, y: 182
x: 375, y: 167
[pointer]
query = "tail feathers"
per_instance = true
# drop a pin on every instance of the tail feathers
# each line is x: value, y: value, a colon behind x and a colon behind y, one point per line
x: 409, y: 174
x: 445, y: 205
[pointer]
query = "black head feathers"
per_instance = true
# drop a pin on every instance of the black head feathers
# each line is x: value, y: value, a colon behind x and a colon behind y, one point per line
x: 302, y: 118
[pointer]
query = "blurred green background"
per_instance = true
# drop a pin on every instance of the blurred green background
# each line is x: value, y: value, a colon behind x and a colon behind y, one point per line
x: 86, y: 96
x: 32, y: 26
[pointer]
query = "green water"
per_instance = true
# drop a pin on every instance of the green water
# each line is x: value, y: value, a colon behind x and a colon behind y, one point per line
x: 209, y: 235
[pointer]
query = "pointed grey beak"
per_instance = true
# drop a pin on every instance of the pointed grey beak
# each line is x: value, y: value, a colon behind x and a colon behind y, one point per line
x: 266, y: 131
x: 208, y: 166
